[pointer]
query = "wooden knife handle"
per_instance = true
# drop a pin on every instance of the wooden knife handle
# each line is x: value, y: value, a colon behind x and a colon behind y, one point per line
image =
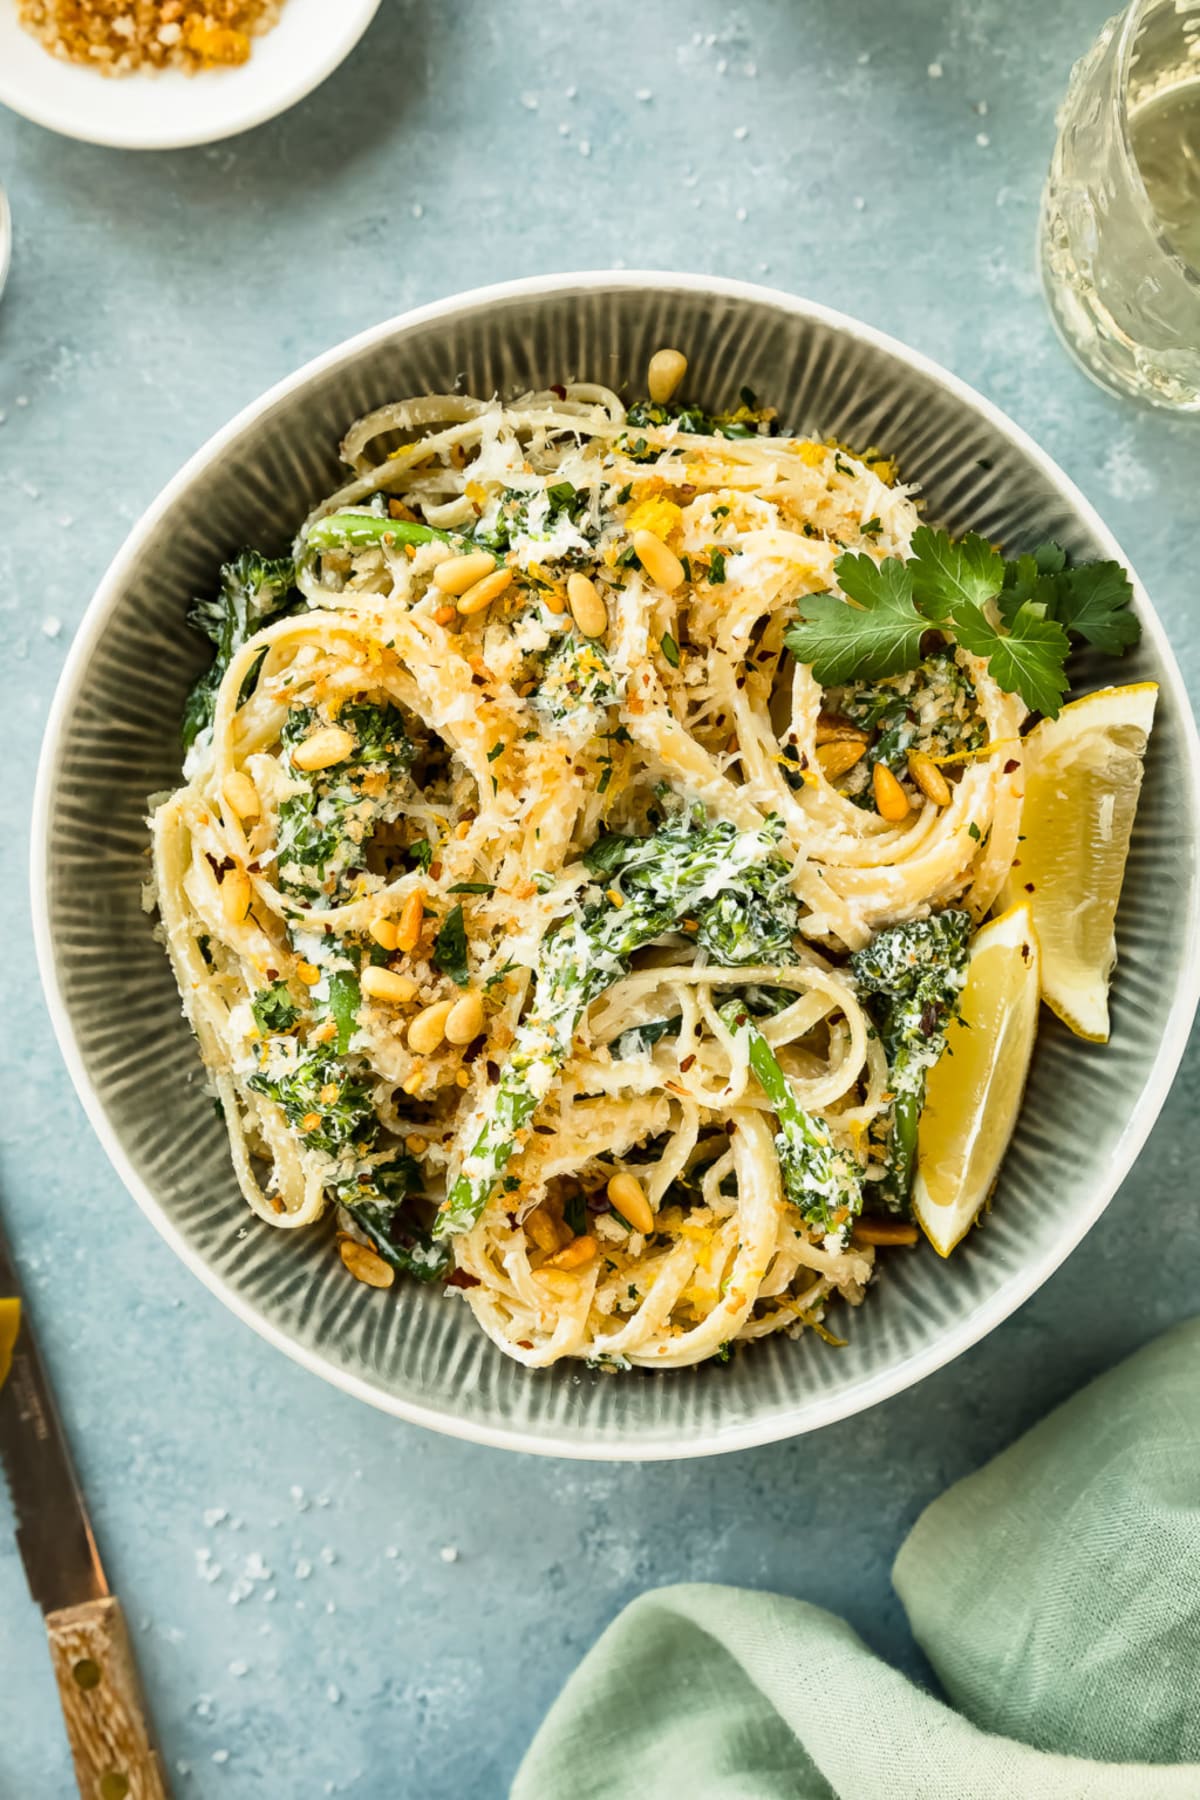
x: 102, y: 1703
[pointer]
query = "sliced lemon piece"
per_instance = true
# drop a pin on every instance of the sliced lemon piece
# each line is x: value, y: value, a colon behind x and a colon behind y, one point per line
x: 974, y: 1090
x: 10, y: 1324
x: 1083, y: 775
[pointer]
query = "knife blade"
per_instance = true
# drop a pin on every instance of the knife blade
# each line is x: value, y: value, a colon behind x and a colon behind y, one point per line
x: 54, y: 1532
x: 98, y: 1685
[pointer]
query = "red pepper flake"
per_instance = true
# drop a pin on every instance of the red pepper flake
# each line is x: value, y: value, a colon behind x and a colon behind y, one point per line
x: 686, y: 1064
x: 1010, y: 765
x: 461, y: 1278
x: 559, y: 392
x: 1029, y: 887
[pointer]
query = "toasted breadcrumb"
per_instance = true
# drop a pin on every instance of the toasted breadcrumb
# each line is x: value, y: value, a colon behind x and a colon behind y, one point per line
x: 124, y: 37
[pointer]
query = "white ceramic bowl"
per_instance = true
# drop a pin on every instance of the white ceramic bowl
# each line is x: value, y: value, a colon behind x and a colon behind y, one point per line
x: 112, y: 738
x: 169, y: 110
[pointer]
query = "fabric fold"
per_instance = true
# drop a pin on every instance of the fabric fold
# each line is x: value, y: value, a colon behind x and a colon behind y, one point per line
x: 1056, y: 1593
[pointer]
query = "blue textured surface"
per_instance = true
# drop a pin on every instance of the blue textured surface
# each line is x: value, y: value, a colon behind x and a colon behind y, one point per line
x: 806, y: 145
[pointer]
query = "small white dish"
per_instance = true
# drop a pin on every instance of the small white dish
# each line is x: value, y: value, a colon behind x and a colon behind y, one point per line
x: 168, y: 110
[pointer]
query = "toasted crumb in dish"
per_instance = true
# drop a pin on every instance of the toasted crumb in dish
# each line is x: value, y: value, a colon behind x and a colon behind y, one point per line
x: 125, y: 37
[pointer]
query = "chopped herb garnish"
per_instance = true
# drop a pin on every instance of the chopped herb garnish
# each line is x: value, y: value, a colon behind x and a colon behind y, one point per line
x: 450, y: 947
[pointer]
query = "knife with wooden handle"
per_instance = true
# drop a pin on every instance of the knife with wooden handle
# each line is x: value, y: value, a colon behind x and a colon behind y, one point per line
x: 93, y: 1663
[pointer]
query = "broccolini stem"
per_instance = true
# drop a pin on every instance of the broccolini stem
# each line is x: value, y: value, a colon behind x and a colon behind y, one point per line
x: 360, y: 530
x: 817, y: 1178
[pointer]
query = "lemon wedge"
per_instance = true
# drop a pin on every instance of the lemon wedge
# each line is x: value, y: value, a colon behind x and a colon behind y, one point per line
x: 1082, y: 779
x: 10, y: 1324
x: 974, y: 1090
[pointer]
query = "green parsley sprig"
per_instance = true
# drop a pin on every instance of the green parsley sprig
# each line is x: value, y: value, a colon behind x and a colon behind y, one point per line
x: 1040, y: 604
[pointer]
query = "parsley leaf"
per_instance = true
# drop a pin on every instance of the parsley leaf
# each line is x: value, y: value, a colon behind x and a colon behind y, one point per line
x: 1093, y: 601
x: 450, y: 947
x: 946, y: 574
x: 880, y: 635
x: 1029, y: 661
x: 670, y: 649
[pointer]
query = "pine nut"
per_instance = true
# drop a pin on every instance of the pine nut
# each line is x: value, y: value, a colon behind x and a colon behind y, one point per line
x: 884, y: 1231
x: 579, y: 1251
x: 241, y: 795
x: 482, y: 593
x: 385, y: 984
x: 587, y: 608
x: 429, y: 1027
x: 558, y: 1281
x: 891, y: 801
x: 929, y: 778
x: 629, y: 1197
x: 839, y: 757
x: 542, y: 1230
x: 458, y: 573
x: 323, y: 749
x: 235, y: 896
x: 661, y: 565
x: 667, y: 369
x: 384, y: 933
x: 833, y: 728
x: 466, y: 1018
x: 364, y: 1265
x: 412, y: 913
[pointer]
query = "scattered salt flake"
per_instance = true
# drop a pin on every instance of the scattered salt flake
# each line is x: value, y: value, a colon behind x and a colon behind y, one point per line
x: 240, y: 1590
x: 269, y: 1595
x: 391, y: 1553
x: 740, y: 132
x: 571, y: 91
x: 564, y: 129
x: 203, y: 1707
x: 51, y: 626
x: 331, y: 1606
x: 982, y: 139
x: 183, y: 1768
x: 529, y: 102
x: 323, y: 1500
x: 303, y: 1569
x: 418, y: 211
x: 333, y: 1694
x: 22, y: 399
x: 864, y: 58
x: 751, y: 70
x: 644, y: 94
x: 722, y: 66
x: 239, y: 1669
x: 859, y: 203
x: 299, y: 1499
x: 255, y: 1569
x: 935, y: 71
x: 449, y: 1553
x: 214, y: 1515
x: 220, y: 1756
x: 740, y: 215
x: 328, y: 1554
x: 206, y: 1568
x: 30, y: 491
x: 585, y: 148
x: 981, y: 107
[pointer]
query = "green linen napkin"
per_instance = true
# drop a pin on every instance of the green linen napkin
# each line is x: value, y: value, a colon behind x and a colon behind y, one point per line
x: 1056, y: 1594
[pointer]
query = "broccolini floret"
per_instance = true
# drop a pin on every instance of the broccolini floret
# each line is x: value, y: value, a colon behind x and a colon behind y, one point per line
x: 913, y: 976
x: 253, y: 590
